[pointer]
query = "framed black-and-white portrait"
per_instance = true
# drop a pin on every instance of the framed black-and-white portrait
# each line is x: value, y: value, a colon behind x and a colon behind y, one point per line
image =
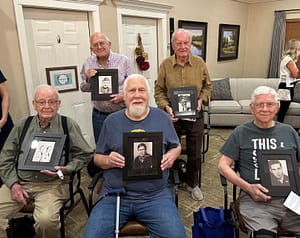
x: 143, y: 153
x: 184, y: 102
x: 43, y: 151
x: 104, y: 84
x: 279, y: 172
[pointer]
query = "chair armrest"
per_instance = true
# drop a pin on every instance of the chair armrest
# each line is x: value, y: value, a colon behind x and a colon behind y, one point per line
x: 91, y: 188
x: 224, y: 184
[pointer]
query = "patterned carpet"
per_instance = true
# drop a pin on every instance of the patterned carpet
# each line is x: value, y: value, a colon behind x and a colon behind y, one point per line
x: 211, y: 188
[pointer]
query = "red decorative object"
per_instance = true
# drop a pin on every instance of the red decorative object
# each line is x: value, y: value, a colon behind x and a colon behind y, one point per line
x: 142, y: 56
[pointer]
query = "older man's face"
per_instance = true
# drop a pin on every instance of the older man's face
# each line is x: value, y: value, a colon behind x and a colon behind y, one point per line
x: 46, y: 104
x: 136, y: 97
x: 181, y: 44
x: 100, y: 46
x: 264, y: 108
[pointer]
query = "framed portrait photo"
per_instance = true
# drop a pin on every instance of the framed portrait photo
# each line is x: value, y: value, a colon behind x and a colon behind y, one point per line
x: 43, y: 151
x: 184, y: 102
x: 279, y: 172
x: 64, y: 79
x: 104, y: 84
x: 228, y: 42
x: 143, y: 153
x: 198, y: 31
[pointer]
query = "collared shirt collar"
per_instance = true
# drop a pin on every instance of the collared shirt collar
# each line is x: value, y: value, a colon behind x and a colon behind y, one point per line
x: 174, y: 63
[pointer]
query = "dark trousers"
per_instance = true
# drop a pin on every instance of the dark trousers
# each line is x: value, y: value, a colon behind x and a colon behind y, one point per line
x: 194, y: 135
x: 5, y: 130
x: 284, y: 105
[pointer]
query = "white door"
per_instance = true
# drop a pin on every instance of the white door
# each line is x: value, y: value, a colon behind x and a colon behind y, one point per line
x: 147, y: 27
x: 57, y: 39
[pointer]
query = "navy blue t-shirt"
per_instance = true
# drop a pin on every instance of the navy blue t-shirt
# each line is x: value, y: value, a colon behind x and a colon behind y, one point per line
x: 111, y: 139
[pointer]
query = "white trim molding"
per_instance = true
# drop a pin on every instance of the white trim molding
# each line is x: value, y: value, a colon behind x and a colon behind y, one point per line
x: 143, y: 5
x: 140, y: 8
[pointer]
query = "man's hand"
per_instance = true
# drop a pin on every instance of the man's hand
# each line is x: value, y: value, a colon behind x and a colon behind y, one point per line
x: 116, y: 98
x: 169, y: 110
x: 115, y: 160
x: 63, y: 169
x: 169, y: 157
x: 89, y: 74
x: 167, y: 162
x: 18, y: 193
x: 258, y: 193
x: 199, y: 106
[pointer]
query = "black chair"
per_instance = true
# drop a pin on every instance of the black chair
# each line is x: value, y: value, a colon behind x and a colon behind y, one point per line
x: 234, y: 207
x: 76, y: 195
x: 133, y: 227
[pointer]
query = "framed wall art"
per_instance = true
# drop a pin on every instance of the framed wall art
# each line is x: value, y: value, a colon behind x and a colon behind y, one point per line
x: 43, y: 151
x: 228, y: 45
x: 199, y: 36
x: 104, y: 84
x: 184, y: 102
x: 64, y: 78
x: 143, y: 153
x: 279, y: 172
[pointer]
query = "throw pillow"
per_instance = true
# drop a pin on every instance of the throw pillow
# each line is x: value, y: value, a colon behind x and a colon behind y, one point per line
x: 296, y: 97
x: 221, y: 90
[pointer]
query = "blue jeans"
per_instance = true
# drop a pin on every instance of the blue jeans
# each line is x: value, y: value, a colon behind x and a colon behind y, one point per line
x: 160, y: 216
x: 97, y: 119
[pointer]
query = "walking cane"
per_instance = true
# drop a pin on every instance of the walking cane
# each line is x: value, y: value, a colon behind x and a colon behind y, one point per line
x: 118, y: 192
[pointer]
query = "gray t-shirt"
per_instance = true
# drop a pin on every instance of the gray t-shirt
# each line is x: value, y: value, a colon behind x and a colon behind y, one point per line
x: 245, y: 140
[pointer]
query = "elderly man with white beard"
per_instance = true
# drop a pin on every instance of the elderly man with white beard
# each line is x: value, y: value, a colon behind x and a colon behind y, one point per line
x: 150, y: 201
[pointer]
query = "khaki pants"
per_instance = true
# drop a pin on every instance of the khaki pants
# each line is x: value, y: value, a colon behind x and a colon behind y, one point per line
x: 49, y: 198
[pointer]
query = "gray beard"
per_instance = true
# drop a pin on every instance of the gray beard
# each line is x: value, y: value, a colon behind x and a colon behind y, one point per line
x: 137, y: 111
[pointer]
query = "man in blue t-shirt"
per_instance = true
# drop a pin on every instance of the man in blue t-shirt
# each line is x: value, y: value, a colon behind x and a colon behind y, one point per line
x: 150, y: 201
x: 262, y: 213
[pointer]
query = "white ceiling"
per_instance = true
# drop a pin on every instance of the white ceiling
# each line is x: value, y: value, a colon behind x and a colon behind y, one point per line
x: 255, y: 1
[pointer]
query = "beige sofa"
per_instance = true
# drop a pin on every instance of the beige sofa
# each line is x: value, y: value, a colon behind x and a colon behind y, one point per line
x: 226, y: 112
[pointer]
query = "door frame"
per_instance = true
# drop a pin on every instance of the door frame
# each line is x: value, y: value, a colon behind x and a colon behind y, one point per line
x: 158, y: 11
x: 89, y: 6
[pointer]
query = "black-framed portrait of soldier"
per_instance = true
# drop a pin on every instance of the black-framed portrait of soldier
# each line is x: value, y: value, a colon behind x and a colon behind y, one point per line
x: 143, y: 153
x: 279, y: 171
x: 104, y: 84
x: 184, y: 102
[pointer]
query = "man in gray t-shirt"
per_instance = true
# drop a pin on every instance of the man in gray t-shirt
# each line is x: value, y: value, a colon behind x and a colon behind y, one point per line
x: 242, y: 146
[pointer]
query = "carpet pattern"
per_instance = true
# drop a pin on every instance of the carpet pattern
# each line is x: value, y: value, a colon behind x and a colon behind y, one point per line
x: 211, y: 188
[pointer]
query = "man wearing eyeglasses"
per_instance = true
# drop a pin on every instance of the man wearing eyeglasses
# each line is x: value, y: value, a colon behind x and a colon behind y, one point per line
x: 103, y: 58
x: 262, y: 213
x: 48, y: 188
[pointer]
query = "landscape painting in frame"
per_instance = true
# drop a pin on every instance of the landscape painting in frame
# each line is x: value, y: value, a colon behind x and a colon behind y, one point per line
x: 228, y: 42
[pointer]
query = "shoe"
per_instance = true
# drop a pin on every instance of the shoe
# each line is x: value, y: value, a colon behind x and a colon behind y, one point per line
x: 196, y: 193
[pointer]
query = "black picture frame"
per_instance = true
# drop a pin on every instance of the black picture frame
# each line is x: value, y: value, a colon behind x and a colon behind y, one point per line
x: 110, y: 75
x: 184, y: 101
x: 268, y: 161
x: 198, y: 31
x: 154, y: 148
x: 228, y: 46
x: 43, y: 151
x: 63, y: 78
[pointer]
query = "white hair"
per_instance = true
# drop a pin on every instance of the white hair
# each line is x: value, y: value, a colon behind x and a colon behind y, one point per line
x: 264, y: 90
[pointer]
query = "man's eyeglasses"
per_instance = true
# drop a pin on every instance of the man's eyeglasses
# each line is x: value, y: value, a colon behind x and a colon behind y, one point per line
x: 99, y: 44
x: 262, y: 105
x: 42, y: 103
